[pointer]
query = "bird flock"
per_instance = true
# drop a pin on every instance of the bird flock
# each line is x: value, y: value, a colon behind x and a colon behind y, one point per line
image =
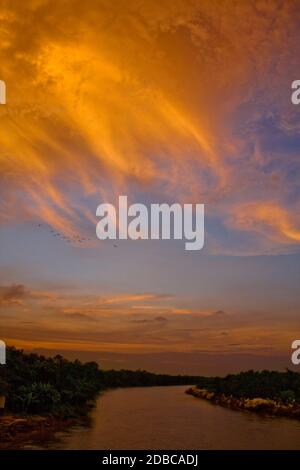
x: 73, y: 239
x: 66, y: 238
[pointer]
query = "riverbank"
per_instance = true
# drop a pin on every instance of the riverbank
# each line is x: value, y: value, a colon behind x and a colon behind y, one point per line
x: 40, y: 396
x: 158, y: 418
x: 258, y: 405
x: 31, y: 432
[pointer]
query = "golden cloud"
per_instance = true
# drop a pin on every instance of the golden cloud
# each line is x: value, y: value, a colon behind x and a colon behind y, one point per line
x: 165, y: 97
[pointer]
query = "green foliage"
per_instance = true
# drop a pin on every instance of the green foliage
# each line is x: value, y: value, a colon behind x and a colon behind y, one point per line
x: 38, y: 397
x: 287, y: 396
x: 283, y: 386
x: 35, y: 384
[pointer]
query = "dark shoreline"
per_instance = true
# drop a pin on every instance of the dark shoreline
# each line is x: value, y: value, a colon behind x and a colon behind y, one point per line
x: 258, y: 405
x: 36, y: 432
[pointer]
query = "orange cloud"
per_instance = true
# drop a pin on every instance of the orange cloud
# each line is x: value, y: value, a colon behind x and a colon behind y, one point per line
x: 270, y: 219
x: 164, y: 98
x: 134, y: 298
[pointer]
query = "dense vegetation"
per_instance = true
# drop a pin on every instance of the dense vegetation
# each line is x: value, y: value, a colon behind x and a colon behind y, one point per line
x: 283, y: 386
x: 142, y: 378
x: 35, y: 384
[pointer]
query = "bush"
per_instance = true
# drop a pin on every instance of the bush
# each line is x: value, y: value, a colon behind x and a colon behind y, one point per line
x: 38, y: 397
x: 270, y: 385
x: 36, y: 384
x: 287, y: 396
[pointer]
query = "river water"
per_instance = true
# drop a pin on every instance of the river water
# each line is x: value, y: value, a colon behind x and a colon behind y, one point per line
x: 167, y: 418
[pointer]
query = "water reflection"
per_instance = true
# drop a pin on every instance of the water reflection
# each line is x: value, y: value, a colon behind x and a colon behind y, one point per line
x: 167, y: 418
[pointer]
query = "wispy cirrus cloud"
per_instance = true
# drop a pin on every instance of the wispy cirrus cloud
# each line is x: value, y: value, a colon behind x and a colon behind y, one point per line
x: 165, y: 101
x: 135, y: 298
x: 169, y: 100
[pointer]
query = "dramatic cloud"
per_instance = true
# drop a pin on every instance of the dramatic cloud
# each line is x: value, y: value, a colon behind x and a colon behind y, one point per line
x: 84, y: 323
x: 170, y: 99
x: 165, y: 101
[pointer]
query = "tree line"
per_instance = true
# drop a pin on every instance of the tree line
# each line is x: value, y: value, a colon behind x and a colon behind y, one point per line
x: 282, y: 386
x: 34, y: 383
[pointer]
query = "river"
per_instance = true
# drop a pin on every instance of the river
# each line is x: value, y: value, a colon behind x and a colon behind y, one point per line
x: 167, y: 418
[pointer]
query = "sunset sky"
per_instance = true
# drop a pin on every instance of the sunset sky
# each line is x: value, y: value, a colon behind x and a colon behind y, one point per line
x: 183, y: 101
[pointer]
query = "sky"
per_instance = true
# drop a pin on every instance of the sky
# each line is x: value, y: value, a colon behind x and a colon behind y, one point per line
x: 169, y: 101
